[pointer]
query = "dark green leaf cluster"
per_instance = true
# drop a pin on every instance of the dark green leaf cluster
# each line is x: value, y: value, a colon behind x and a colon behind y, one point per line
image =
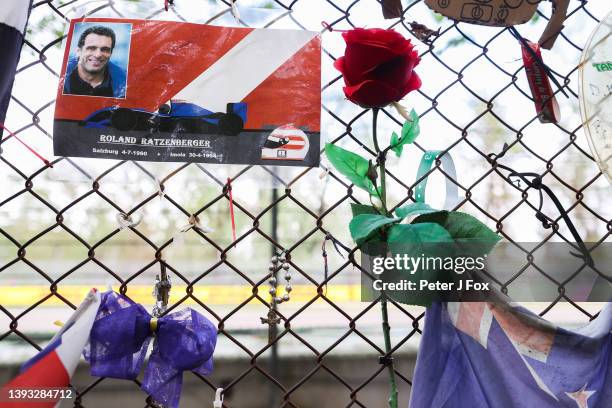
x: 429, y: 225
x: 410, y: 131
x: 455, y: 231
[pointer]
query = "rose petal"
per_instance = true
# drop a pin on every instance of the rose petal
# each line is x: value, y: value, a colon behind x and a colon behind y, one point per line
x: 363, y: 58
x: 400, y: 44
x: 395, y: 72
x: 378, y: 66
x: 372, y: 94
x: 339, y: 64
x: 375, y: 35
x: 413, y: 84
x: 411, y: 81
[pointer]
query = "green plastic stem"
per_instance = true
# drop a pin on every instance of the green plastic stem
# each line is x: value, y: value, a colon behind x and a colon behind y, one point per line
x: 383, y: 300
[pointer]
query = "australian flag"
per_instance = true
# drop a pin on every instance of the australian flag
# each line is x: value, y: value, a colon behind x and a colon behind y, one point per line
x: 489, y: 355
x: 13, y: 20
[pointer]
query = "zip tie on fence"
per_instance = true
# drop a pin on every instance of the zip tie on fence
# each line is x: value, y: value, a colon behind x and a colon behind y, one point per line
x: 34, y: 152
x: 218, y: 402
x: 331, y: 29
x: 231, y: 207
x: 127, y: 221
x: 193, y: 223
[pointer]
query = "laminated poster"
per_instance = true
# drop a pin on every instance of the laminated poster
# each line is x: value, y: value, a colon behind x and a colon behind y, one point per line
x: 182, y: 92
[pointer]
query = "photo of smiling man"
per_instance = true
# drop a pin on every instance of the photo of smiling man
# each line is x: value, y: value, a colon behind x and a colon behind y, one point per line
x: 98, y: 60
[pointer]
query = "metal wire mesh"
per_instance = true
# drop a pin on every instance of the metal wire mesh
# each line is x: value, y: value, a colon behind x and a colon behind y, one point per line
x: 474, y: 99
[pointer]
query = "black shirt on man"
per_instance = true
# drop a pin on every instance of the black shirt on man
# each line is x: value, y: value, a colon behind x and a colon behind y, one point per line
x: 80, y: 87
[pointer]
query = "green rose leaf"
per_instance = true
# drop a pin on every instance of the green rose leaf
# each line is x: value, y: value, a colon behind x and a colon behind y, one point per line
x: 418, y: 240
x: 395, y: 141
x: 425, y: 239
x: 365, y: 226
x: 410, y: 131
x: 411, y: 128
x: 358, y: 209
x: 464, y: 228
x: 351, y: 165
x: 413, y: 209
x: 427, y: 232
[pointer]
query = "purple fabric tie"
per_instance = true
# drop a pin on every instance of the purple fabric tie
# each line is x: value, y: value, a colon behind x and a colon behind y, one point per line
x: 120, y: 337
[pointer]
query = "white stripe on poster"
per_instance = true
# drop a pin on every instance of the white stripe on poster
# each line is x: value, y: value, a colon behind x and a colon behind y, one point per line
x: 244, y: 67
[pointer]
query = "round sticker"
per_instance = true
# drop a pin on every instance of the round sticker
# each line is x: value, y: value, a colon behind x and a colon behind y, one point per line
x: 596, y: 94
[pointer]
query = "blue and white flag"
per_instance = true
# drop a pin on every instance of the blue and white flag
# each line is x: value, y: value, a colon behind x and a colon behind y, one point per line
x: 13, y: 20
x: 484, y: 355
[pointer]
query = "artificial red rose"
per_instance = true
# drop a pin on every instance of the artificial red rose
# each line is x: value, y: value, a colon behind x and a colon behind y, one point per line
x: 378, y: 67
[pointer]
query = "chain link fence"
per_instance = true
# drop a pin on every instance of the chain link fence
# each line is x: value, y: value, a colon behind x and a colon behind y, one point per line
x: 60, y: 234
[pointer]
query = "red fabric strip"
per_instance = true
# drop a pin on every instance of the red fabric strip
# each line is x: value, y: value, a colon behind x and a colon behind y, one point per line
x: 34, y: 152
x: 543, y: 96
x: 231, y: 207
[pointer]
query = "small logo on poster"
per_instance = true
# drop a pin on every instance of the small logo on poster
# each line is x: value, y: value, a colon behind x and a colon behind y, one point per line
x: 286, y: 142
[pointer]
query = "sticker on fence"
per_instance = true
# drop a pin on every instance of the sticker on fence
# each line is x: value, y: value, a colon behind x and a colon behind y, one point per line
x: 503, y: 13
x: 595, y: 94
x: 182, y: 92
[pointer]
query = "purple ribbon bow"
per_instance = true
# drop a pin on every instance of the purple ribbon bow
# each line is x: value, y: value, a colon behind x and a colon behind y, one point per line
x: 120, y: 337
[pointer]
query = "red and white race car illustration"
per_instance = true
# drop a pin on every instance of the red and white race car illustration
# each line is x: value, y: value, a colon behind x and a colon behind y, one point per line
x: 286, y: 143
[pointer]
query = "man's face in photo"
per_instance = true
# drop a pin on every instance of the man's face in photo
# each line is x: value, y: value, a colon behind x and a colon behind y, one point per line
x: 95, y: 53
